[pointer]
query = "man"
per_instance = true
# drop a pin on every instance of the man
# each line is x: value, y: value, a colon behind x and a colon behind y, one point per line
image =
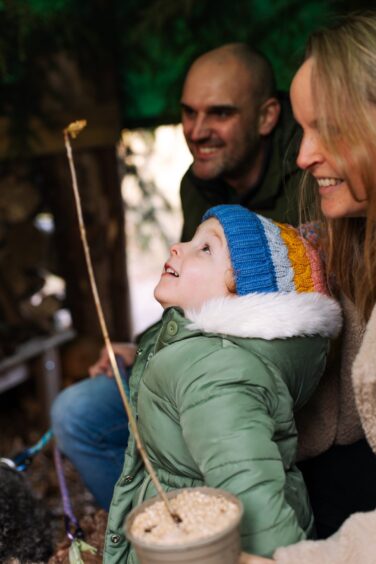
x: 239, y: 134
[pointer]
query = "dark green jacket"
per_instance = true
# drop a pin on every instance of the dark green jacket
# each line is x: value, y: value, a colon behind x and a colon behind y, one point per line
x: 276, y: 194
x: 217, y: 409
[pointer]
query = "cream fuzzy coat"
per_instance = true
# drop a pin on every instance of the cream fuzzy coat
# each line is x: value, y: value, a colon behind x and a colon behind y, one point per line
x: 331, y: 417
x: 355, y: 542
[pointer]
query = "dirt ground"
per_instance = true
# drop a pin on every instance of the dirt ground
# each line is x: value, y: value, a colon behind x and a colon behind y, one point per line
x: 20, y: 428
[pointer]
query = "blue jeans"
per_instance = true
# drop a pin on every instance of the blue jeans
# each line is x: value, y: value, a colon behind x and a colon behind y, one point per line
x: 91, y: 429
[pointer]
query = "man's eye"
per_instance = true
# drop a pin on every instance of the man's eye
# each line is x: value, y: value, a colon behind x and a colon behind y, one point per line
x: 223, y: 113
x: 188, y: 112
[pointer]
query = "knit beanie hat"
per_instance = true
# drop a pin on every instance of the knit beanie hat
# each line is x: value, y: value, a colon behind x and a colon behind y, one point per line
x: 267, y: 256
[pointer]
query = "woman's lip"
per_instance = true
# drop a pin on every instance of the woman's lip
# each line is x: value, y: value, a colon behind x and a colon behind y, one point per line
x: 329, y: 189
x: 324, y: 187
x: 324, y: 181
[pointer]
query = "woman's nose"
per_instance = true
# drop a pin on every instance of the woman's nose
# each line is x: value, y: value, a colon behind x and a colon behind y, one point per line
x: 310, y: 151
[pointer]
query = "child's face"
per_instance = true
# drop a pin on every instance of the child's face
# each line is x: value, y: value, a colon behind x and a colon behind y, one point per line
x: 196, y: 271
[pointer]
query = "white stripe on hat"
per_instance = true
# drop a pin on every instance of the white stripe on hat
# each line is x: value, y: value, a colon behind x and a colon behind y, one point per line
x: 279, y: 252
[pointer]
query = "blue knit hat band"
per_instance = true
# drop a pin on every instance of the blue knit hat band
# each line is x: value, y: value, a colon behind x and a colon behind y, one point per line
x: 248, y: 245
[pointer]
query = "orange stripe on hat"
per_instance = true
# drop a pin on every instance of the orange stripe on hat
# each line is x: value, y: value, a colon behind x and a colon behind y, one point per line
x: 299, y: 258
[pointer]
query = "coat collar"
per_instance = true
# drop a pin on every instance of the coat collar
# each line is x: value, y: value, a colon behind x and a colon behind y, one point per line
x: 269, y: 316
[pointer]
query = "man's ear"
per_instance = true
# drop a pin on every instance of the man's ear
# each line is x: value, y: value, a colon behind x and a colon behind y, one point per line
x: 269, y: 114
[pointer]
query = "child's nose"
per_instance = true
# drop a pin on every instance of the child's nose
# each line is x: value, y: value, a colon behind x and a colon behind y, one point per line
x: 175, y: 249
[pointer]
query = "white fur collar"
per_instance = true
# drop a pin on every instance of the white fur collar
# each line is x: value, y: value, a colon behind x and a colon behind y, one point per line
x: 269, y: 316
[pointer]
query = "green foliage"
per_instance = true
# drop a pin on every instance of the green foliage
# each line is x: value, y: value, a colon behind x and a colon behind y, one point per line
x: 32, y: 33
x: 149, y: 43
x: 161, y: 47
x: 47, y: 8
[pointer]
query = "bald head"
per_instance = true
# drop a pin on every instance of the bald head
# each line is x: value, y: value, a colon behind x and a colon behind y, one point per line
x: 235, y: 58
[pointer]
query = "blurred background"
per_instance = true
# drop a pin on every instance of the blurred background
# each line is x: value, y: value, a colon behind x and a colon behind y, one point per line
x: 119, y: 65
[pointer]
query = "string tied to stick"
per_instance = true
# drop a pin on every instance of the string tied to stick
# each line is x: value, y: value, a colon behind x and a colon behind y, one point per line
x: 72, y: 526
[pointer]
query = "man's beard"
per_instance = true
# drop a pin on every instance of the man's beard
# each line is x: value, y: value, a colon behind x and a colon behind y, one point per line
x: 233, y: 166
x: 240, y: 165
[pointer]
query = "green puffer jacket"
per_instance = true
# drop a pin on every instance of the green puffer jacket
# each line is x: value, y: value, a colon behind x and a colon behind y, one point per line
x: 214, y: 393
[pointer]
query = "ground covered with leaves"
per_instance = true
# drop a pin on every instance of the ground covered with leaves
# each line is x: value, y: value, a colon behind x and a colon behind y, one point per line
x: 20, y: 427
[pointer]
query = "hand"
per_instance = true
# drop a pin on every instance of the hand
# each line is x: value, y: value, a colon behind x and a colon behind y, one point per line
x: 251, y: 559
x: 102, y: 366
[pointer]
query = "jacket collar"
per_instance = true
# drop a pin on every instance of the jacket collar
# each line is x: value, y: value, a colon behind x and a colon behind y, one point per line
x: 269, y: 316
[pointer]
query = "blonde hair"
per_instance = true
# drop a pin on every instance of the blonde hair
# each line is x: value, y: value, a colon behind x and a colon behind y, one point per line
x: 344, y: 94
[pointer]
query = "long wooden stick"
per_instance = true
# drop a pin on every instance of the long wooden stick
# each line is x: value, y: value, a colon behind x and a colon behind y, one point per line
x: 72, y: 130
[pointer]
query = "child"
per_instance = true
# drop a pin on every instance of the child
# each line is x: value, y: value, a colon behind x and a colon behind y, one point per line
x: 242, y: 343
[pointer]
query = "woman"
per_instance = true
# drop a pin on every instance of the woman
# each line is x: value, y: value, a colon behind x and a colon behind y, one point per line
x: 334, y: 100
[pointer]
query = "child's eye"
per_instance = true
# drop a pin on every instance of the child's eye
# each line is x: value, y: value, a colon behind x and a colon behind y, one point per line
x: 206, y: 248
